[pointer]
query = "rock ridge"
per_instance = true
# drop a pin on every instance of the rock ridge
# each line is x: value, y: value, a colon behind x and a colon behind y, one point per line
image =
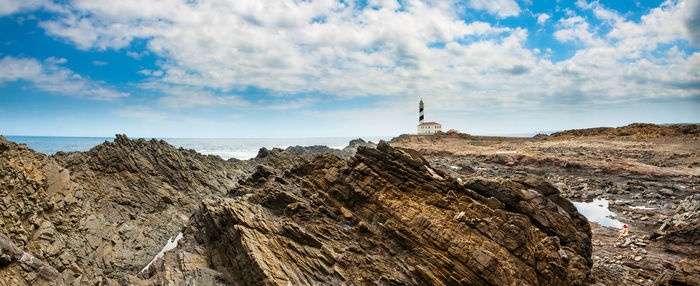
x: 386, y: 214
x: 381, y: 216
x: 638, y: 130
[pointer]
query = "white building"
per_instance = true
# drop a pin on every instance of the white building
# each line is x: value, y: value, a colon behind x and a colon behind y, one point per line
x: 429, y: 128
x: 426, y: 127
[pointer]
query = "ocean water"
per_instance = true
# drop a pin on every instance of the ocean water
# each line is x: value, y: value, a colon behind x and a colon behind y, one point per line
x: 242, y: 149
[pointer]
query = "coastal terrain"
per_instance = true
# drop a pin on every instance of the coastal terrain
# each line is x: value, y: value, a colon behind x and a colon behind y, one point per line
x: 647, y: 175
x: 444, y: 209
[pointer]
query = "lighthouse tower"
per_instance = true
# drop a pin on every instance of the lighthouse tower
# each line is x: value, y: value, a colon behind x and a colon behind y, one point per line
x: 426, y: 127
x: 420, y: 111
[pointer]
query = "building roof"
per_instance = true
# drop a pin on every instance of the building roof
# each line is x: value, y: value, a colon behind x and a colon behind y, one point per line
x: 429, y: 123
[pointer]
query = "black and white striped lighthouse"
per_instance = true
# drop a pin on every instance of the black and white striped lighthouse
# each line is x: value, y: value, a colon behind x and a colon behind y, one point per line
x: 426, y: 127
x: 420, y: 111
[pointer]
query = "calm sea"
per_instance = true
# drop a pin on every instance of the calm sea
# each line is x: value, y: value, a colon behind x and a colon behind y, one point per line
x: 225, y: 148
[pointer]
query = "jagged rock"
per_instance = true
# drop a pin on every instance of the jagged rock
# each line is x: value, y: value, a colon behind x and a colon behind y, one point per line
x: 382, y: 216
x: 15, y: 253
x: 687, y: 273
x: 105, y: 212
x: 427, y: 229
x: 347, y: 152
x: 684, y: 226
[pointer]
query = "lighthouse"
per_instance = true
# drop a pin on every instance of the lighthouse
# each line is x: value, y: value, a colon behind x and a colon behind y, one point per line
x: 420, y: 112
x: 426, y: 127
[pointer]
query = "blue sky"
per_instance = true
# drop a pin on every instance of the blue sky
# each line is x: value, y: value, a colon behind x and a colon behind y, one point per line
x: 343, y: 68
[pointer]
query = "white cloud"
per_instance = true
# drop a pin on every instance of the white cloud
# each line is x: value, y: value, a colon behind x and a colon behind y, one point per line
x: 582, y: 4
x: 49, y: 76
x: 576, y: 28
x: 285, y: 104
x: 691, y: 19
x: 231, y: 45
x: 8, y: 7
x: 664, y: 24
x: 500, y: 8
x: 179, y: 97
x: 211, y: 49
x: 186, y: 97
x: 55, y: 61
x: 143, y: 113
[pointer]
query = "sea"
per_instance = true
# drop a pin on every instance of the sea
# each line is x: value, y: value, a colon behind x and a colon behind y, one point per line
x: 243, y: 148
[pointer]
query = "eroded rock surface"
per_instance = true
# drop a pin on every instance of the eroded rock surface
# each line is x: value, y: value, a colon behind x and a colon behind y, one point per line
x: 100, y: 216
x: 640, y: 130
x: 646, y: 175
x: 384, y: 216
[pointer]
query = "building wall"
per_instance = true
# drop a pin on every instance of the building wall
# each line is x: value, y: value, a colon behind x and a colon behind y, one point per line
x: 429, y: 129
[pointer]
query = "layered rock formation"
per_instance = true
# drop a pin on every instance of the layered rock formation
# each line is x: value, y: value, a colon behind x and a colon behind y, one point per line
x: 101, y: 215
x: 646, y: 175
x: 636, y: 130
x: 684, y: 226
x: 687, y: 273
x: 386, y: 217
x: 347, y: 152
x: 383, y: 216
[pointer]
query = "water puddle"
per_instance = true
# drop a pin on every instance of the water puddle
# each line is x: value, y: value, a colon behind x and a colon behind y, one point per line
x: 598, y: 211
x: 172, y: 243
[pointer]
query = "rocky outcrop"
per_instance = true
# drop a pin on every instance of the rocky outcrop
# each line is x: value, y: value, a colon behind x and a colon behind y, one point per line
x: 649, y: 183
x: 100, y: 216
x: 383, y: 216
x: 638, y: 130
x: 386, y: 217
x: 687, y: 273
x: 11, y: 252
x: 436, y: 136
x: 347, y: 152
x: 684, y: 226
x: 32, y: 215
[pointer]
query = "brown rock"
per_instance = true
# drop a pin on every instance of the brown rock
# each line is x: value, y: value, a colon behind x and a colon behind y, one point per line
x: 463, y: 239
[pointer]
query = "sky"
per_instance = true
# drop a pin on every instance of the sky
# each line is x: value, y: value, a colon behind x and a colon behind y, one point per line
x: 283, y: 68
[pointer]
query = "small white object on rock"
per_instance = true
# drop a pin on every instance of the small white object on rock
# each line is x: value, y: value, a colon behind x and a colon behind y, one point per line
x: 172, y: 243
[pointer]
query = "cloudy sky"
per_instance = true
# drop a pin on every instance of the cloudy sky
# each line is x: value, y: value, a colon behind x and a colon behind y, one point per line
x: 285, y: 68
